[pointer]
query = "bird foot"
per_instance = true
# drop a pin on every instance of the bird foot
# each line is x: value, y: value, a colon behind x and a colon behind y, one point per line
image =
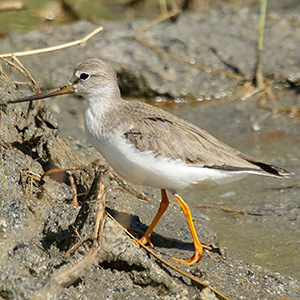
x: 146, y: 240
x: 194, y: 259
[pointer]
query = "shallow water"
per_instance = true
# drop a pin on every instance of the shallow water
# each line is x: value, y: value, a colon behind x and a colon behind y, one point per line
x: 272, y: 240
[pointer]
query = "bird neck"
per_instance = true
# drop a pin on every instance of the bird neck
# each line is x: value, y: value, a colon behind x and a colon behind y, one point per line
x: 104, y: 99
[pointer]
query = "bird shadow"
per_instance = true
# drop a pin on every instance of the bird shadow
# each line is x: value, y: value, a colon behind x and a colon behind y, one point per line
x: 137, y: 229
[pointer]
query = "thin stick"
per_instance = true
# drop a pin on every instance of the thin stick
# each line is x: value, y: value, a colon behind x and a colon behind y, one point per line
x: 73, y: 186
x: 143, y: 198
x: 4, y: 74
x: 51, y: 171
x: 260, y: 44
x: 225, y: 209
x: 13, y: 65
x: 37, y: 88
x: 100, y: 213
x: 54, y: 48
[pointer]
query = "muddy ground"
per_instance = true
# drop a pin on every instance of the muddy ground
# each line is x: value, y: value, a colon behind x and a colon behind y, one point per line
x: 39, y: 223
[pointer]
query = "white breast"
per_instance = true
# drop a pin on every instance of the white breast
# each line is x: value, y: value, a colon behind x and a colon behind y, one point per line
x: 143, y: 168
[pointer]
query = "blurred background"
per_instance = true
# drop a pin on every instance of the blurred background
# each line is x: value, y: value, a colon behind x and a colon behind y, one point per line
x: 23, y: 16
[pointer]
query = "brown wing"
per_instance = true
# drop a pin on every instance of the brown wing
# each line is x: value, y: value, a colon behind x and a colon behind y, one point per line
x: 167, y: 135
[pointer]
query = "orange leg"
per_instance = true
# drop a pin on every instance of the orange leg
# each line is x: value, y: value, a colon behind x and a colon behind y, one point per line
x: 198, y: 246
x: 162, y: 208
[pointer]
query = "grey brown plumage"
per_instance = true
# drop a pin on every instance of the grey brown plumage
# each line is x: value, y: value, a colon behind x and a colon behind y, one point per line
x: 152, y: 129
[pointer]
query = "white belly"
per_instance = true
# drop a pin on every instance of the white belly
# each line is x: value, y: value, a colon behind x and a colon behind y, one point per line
x: 143, y: 168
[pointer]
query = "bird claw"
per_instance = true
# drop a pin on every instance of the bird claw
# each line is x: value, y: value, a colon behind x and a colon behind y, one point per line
x: 146, y: 240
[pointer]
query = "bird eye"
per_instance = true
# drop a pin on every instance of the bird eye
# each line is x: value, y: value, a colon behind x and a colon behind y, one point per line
x: 84, y: 76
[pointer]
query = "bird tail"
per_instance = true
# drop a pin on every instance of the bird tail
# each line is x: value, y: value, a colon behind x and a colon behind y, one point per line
x: 268, y: 168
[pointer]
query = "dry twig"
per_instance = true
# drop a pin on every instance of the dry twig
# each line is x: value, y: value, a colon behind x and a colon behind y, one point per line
x: 73, y: 186
x: 23, y: 70
x: 141, y: 195
x: 27, y: 74
x: 67, y: 276
x: 51, y: 171
x: 54, y: 48
x: 100, y: 212
x: 230, y: 210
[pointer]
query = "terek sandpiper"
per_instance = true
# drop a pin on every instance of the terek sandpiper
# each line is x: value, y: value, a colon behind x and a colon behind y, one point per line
x: 149, y: 146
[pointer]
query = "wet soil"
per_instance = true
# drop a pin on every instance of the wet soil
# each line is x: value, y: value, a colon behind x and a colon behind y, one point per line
x: 39, y: 224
